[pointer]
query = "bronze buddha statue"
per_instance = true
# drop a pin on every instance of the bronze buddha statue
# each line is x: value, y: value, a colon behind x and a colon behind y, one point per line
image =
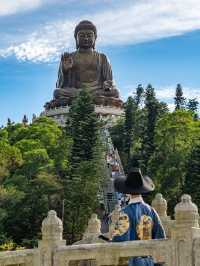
x: 85, y: 68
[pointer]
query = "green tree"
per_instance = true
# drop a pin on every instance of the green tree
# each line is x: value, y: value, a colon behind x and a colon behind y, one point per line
x: 129, y: 125
x: 133, y: 135
x: 174, y: 134
x: 35, y: 160
x: 81, y: 197
x: 84, y: 127
x: 10, y: 160
x: 117, y: 135
x: 25, y: 120
x: 9, y: 198
x: 83, y: 182
x: 192, y: 105
x: 153, y: 111
x: 192, y: 178
x: 179, y: 99
x: 139, y: 95
x: 9, y: 122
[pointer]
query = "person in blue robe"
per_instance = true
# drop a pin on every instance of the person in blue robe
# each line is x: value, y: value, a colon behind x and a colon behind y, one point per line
x: 138, y: 220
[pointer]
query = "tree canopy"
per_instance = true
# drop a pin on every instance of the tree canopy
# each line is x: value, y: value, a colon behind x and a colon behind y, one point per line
x: 44, y: 166
x: 31, y: 167
x: 159, y: 141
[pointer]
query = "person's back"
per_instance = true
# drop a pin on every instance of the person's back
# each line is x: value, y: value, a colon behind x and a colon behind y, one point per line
x: 138, y: 220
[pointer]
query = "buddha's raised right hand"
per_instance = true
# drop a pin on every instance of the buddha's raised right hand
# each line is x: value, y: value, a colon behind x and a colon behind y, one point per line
x: 67, y: 61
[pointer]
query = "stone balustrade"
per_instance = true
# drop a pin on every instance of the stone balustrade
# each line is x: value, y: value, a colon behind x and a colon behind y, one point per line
x: 163, y: 251
x: 18, y: 258
x: 106, y: 113
x: 100, y: 109
x: 181, y: 248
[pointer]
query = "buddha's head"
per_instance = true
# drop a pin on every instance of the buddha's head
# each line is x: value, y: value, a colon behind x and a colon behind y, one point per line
x: 85, y: 34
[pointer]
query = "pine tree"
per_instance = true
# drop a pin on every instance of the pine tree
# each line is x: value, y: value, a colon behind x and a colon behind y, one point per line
x: 83, y: 124
x: 179, y: 99
x: 129, y: 124
x: 25, y: 120
x: 34, y: 117
x: 192, y: 178
x: 83, y: 183
x: 9, y: 123
x: 139, y: 94
x: 151, y: 106
x: 154, y: 110
x: 192, y: 105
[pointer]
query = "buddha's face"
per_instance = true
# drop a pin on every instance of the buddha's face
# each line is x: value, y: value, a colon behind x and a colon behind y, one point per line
x: 86, y: 39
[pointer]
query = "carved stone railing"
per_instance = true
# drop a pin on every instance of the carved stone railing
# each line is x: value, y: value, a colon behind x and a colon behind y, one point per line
x: 182, y: 248
x: 163, y: 251
x: 18, y: 258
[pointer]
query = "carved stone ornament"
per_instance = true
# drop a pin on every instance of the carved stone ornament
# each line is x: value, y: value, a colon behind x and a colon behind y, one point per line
x: 52, y: 227
x: 186, y: 212
x: 160, y: 205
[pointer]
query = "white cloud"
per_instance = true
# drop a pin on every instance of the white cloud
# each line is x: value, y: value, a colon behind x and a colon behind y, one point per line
x: 43, y: 45
x: 8, y: 7
x: 130, y: 23
x: 171, y: 106
x: 167, y: 93
x: 149, y: 20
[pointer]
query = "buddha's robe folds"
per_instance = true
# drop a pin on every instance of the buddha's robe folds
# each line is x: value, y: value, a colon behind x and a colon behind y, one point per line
x: 89, y: 69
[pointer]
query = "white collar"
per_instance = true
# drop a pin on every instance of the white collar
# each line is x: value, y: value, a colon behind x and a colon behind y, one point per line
x: 136, y: 199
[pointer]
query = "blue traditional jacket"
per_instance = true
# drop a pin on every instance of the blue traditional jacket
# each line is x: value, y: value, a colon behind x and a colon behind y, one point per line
x: 138, y: 221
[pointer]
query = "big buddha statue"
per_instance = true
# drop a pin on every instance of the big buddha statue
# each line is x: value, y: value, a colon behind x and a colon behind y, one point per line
x: 85, y: 68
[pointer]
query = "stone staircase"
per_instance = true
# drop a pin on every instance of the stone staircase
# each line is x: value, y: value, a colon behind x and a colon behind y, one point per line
x: 113, y: 169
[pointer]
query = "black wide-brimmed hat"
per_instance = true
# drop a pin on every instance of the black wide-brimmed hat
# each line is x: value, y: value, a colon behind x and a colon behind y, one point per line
x: 134, y: 183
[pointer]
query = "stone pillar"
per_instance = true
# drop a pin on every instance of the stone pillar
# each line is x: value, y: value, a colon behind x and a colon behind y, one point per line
x: 52, y: 230
x: 185, y: 230
x: 90, y: 236
x: 186, y: 213
x: 160, y: 205
x: 94, y: 227
x: 114, y: 218
x: 92, y: 232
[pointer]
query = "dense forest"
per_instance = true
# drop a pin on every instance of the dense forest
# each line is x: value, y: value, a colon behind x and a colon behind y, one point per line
x: 44, y: 166
x: 164, y: 144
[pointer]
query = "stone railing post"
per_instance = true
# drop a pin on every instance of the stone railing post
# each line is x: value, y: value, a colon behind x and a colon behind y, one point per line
x: 52, y: 230
x: 92, y: 232
x: 114, y: 218
x: 93, y: 228
x: 185, y: 230
x: 90, y: 236
x: 160, y: 205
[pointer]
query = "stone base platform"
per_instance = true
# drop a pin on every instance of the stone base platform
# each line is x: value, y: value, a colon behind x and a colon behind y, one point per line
x: 106, y: 113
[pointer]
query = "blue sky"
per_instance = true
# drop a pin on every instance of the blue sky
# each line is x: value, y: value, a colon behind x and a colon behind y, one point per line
x: 147, y: 41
